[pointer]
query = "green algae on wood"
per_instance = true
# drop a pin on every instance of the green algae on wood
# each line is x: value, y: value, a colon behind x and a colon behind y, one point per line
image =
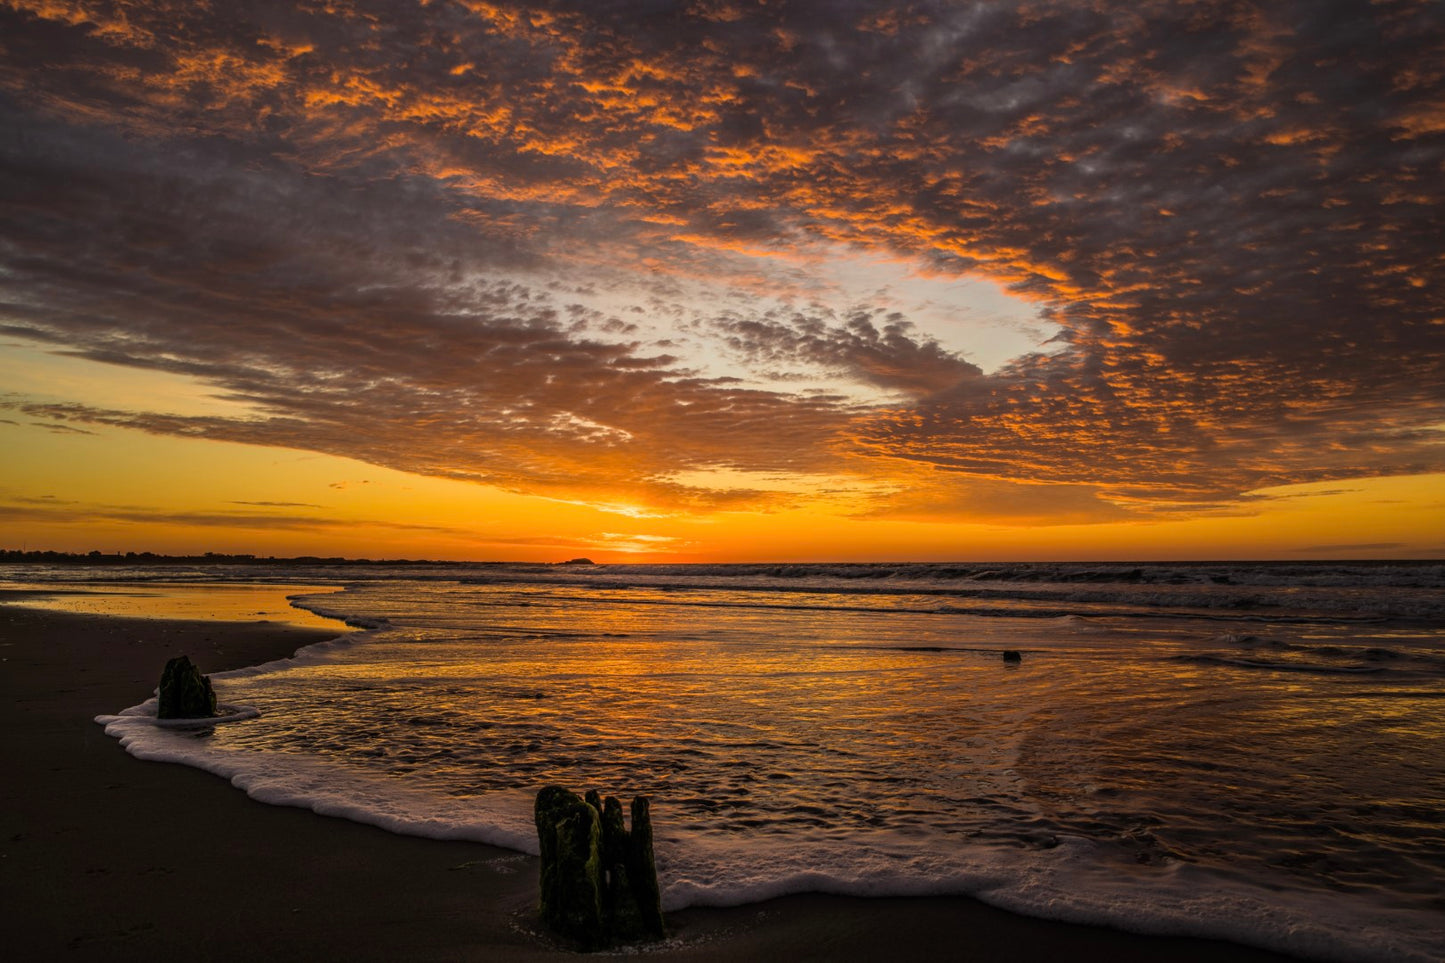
x: 568, y: 830
x: 599, y: 881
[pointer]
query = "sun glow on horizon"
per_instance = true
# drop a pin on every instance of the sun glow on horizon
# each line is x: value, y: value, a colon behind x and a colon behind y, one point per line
x: 190, y: 496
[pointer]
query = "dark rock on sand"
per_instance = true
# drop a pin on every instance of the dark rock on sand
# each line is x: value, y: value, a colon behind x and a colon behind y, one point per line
x: 1012, y: 656
x: 184, y: 692
x: 599, y: 881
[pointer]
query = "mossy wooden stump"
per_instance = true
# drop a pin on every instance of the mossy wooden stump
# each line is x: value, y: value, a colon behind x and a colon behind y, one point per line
x: 599, y: 881
x: 184, y: 693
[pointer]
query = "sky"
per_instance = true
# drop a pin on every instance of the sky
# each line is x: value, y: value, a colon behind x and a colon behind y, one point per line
x: 724, y: 280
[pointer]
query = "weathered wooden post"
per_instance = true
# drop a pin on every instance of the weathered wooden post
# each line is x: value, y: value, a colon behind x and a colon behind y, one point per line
x: 599, y: 881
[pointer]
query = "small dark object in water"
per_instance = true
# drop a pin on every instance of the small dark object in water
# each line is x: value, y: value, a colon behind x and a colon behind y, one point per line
x: 599, y: 881
x: 1012, y: 656
x: 184, y: 693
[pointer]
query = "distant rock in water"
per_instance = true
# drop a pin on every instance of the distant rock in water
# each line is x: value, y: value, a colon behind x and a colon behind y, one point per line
x: 599, y: 881
x: 578, y: 561
x: 184, y: 692
x: 1012, y: 656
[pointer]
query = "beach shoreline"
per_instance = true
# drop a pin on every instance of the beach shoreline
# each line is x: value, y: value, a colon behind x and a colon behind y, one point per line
x: 106, y: 857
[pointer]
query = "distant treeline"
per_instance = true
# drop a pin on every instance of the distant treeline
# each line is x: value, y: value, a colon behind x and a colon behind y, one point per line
x: 209, y: 558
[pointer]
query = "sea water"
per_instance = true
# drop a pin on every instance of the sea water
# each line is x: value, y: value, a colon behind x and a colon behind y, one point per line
x: 1248, y: 752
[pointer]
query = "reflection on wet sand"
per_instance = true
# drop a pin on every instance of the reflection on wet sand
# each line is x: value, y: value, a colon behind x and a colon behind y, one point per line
x: 205, y: 601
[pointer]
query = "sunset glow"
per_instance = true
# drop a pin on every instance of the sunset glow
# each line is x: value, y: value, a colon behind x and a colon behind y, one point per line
x: 724, y: 280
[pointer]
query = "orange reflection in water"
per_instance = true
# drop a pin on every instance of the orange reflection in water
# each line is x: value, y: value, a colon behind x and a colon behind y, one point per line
x: 182, y: 600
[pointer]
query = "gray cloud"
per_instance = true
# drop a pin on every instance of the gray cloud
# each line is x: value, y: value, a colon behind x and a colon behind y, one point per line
x: 61, y: 429
x: 368, y: 225
x: 890, y: 357
x: 70, y: 512
x: 1354, y: 547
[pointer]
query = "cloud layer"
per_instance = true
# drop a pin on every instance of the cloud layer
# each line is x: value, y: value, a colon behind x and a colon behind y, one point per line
x: 564, y: 248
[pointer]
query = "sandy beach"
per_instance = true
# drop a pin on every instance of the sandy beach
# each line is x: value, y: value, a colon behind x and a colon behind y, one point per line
x: 105, y: 857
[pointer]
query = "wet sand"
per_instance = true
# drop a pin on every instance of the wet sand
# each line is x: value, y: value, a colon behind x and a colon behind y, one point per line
x: 105, y: 857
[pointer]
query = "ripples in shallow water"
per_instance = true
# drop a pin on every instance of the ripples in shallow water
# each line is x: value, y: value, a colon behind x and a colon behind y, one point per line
x: 888, y: 748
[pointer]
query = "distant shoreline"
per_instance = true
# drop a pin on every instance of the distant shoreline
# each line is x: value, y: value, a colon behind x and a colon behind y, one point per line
x: 23, y: 556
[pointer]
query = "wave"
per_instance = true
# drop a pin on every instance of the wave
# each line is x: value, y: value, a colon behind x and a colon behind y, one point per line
x: 1400, y: 592
x: 1423, y: 574
x: 1396, y: 590
x: 1276, y: 655
x: 1242, y: 663
x: 1080, y: 609
x: 1067, y: 878
x: 315, y: 605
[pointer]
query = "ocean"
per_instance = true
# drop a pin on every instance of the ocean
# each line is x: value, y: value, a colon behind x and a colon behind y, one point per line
x: 1246, y: 751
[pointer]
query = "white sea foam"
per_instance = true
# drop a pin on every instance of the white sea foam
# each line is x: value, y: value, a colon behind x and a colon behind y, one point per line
x: 1070, y: 881
x: 327, y: 788
x: 145, y: 713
